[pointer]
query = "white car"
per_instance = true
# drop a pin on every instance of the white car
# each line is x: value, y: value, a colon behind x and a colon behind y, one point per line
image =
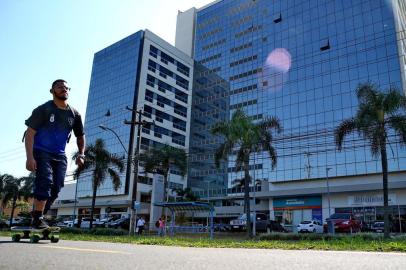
x: 312, y: 226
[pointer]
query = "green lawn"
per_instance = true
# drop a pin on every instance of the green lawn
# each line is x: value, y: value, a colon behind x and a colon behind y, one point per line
x: 361, y: 242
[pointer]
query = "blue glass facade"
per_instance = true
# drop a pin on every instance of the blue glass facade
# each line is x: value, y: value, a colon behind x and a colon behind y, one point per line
x: 301, y: 61
x: 112, y: 88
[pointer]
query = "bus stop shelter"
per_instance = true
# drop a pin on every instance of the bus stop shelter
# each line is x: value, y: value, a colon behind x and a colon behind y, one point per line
x: 177, y: 207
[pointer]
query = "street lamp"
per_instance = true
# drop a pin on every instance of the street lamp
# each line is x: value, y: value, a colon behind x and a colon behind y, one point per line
x: 107, y: 128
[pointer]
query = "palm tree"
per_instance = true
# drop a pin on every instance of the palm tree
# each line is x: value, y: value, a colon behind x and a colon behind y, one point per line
x: 100, y: 162
x: 14, y: 189
x: 245, y: 136
x: 186, y: 195
x: 377, y: 113
x: 161, y: 159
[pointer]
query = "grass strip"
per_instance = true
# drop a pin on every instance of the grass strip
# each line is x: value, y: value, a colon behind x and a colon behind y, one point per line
x: 362, y: 242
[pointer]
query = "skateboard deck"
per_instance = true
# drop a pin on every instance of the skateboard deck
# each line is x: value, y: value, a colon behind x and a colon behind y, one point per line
x: 35, y: 235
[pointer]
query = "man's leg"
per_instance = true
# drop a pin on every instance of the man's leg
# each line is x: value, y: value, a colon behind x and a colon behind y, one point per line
x: 42, y: 184
x: 59, y: 166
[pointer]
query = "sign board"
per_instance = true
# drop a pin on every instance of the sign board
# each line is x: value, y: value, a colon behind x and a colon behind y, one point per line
x: 297, y: 203
x: 370, y: 200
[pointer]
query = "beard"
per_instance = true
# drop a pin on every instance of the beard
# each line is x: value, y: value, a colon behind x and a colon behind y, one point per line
x: 61, y: 97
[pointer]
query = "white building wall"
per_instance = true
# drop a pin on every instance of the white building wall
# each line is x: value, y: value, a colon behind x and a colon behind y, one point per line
x: 185, y: 31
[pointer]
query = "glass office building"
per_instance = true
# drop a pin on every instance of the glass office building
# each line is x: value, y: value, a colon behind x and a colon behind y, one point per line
x: 112, y: 88
x: 144, y: 72
x: 301, y: 61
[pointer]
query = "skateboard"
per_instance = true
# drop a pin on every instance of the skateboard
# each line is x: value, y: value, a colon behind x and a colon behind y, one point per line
x: 35, y: 235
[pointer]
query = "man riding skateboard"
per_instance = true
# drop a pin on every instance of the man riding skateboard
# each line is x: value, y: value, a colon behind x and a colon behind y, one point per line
x: 48, y: 132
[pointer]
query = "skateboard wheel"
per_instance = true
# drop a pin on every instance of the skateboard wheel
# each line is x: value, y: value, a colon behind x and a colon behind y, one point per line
x: 34, y: 238
x: 54, y: 239
x: 16, y: 237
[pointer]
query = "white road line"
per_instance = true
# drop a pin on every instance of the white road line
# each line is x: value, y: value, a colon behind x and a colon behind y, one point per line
x: 86, y: 249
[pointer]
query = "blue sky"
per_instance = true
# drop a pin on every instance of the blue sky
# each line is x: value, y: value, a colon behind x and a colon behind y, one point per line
x: 44, y: 40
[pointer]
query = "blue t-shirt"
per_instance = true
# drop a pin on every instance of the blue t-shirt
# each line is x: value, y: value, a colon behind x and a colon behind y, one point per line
x: 53, y: 126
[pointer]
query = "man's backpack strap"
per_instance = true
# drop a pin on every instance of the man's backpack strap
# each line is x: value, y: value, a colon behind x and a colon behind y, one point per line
x: 73, y: 111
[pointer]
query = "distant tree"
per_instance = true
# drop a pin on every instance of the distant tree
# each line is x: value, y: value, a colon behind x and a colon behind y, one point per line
x: 377, y: 113
x: 15, y: 189
x: 185, y: 195
x: 160, y: 159
x: 99, y: 162
x: 245, y: 137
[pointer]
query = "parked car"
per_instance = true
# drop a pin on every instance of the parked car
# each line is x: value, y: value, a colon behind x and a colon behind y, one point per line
x: 70, y: 223
x: 85, y: 224
x: 102, y: 222
x: 344, y: 222
x: 275, y: 226
x: 123, y: 223
x: 15, y: 222
x: 262, y: 223
x: 310, y: 226
x: 378, y: 226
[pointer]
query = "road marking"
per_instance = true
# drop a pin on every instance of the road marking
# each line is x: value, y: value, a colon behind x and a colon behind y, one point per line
x: 87, y: 249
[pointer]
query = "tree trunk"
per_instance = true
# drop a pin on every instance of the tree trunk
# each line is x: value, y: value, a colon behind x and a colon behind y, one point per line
x: 384, y: 161
x: 93, y: 205
x: 13, y: 207
x: 247, y: 194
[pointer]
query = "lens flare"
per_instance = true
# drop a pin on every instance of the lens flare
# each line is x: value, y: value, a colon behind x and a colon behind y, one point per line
x: 279, y: 59
x: 275, y: 69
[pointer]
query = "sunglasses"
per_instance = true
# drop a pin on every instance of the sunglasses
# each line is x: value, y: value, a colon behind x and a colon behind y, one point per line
x: 62, y: 87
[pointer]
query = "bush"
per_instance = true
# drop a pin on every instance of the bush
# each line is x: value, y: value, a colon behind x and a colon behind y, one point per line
x: 95, y: 231
x: 317, y: 237
x: 290, y: 236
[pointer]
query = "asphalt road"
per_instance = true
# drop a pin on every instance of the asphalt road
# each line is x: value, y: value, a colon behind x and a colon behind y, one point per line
x: 95, y: 255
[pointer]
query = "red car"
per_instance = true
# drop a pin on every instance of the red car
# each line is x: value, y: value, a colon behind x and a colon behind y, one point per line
x: 344, y: 222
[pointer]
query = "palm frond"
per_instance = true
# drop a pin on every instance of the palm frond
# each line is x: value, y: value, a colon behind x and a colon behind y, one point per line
x: 222, y: 152
x: 117, y: 162
x: 398, y: 123
x: 240, y: 159
x: 179, y: 159
x: 271, y: 123
x: 375, y: 138
x: 393, y: 101
x: 366, y: 93
x: 345, y: 128
x: 115, y: 178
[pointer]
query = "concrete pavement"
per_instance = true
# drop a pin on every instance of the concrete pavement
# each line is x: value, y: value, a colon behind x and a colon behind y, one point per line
x: 101, y: 255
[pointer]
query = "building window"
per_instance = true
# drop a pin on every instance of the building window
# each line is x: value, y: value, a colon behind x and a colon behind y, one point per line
x: 277, y: 18
x: 153, y: 51
x: 325, y: 45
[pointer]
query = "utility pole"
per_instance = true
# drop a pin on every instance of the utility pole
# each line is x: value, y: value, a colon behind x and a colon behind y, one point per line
x: 330, y: 224
x: 308, y: 167
x: 139, y: 124
x: 328, y: 191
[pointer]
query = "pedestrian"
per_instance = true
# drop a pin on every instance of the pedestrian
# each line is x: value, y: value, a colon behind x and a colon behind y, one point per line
x: 48, y: 131
x: 140, y: 225
x: 161, y: 227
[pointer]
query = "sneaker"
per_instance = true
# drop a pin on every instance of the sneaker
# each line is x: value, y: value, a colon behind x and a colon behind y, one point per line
x: 39, y: 223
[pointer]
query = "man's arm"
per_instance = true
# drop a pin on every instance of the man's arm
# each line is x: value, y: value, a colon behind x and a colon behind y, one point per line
x: 80, y: 141
x: 30, y: 164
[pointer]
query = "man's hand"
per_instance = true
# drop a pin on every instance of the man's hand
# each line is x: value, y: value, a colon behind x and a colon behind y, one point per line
x: 80, y: 161
x: 31, y: 165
